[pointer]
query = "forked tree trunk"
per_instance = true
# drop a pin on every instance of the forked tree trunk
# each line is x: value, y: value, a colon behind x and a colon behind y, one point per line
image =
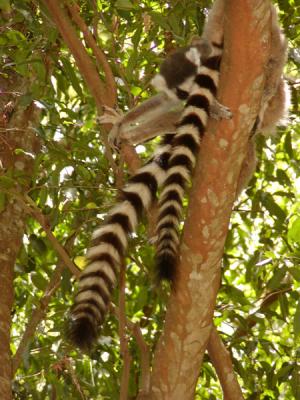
x: 179, y: 354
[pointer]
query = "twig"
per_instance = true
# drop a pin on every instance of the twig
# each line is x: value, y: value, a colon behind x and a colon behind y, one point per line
x: 222, y: 362
x: 89, y: 71
x: 39, y: 313
x: 144, y: 352
x: 145, y: 361
x: 111, y: 91
x: 85, y: 65
x: 251, y: 320
x: 36, y: 317
x: 124, y: 348
x: 70, y: 369
x: 83, y: 61
x: 31, y: 208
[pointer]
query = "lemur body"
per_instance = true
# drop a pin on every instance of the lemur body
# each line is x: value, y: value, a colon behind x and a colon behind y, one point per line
x: 170, y: 167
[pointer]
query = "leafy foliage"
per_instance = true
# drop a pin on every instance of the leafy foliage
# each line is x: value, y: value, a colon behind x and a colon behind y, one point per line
x: 258, y: 310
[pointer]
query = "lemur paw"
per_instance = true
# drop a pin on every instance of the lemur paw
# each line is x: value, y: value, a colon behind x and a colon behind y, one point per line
x: 110, y: 116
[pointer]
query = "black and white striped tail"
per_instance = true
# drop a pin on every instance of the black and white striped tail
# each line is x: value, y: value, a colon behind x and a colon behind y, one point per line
x: 109, y: 244
x: 185, y: 147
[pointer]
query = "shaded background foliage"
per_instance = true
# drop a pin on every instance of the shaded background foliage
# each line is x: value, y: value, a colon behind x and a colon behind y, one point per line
x: 258, y: 310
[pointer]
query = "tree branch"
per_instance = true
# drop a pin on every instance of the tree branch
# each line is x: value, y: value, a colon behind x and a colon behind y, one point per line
x: 83, y: 61
x: 144, y: 352
x: 87, y: 68
x: 191, y: 305
x: 220, y: 357
x: 39, y: 313
x: 111, y: 90
x: 124, y: 347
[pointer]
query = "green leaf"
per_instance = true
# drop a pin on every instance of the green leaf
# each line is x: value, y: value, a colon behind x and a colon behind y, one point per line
x: 91, y: 206
x: 39, y: 281
x: 69, y: 70
x: 297, y: 320
x: 276, y: 280
x: 2, y: 201
x: 124, y: 5
x: 80, y: 262
x: 43, y: 195
x: 236, y: 295
x: 295, y: 272
x: 5, y: 6
x: 39, y: 68
x: 294, y: 231
x: 26, y: 100
x: 283, y: 177
x: 273, y: 208
x: 15, y: 37
x: 6, y: 182
x: 295, y: 382
x: 38, y: 244
x: 288, y: 145
x: 284, y: 305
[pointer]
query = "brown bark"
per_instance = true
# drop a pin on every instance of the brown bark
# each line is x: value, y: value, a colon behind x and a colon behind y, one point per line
x: 16, y: 133
x: 103, y: 94
x: 179, y: 354
x: 221, y: 359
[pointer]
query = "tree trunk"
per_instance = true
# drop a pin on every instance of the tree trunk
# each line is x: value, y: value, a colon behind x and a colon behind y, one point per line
x: 16, y: 125
x: 179, y: 354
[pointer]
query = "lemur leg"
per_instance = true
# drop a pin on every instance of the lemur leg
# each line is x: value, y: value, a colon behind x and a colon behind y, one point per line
x: 154, y: 117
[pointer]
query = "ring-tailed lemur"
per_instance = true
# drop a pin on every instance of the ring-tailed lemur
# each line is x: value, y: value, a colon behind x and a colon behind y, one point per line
x: 110, y: 240
x: 274, y: 105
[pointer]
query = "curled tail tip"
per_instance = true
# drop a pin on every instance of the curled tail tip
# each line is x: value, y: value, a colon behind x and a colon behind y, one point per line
x: 166, y: 267
x: 82, y: 333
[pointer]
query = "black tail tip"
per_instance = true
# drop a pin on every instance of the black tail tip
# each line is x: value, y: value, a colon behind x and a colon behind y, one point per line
x: 82, y: 333
x: 166, y: 267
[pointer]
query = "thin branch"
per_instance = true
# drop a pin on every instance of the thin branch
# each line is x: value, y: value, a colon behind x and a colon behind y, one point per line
x: 145, y: 361
x: 87, y: 69
x: 266, y: 302
x: 144, y: 351
x: 70, y: 368
x: 32, y: 209
x: 39, y: 313
x: 83, y: 61
x: 111, y: 91
x: 221, y: 359
x: 124, y: 347
x: 36, y: 317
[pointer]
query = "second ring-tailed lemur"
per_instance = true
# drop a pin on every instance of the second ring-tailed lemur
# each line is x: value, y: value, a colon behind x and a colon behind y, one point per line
x: 170, y: 167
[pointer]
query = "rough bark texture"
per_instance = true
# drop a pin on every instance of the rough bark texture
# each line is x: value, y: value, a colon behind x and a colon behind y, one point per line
x: 15, y: 124
x: 179, y: 354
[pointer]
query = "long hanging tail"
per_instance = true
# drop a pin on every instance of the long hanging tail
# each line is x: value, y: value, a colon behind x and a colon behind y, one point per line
x: 185, y: 147
x: 109, y: 244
